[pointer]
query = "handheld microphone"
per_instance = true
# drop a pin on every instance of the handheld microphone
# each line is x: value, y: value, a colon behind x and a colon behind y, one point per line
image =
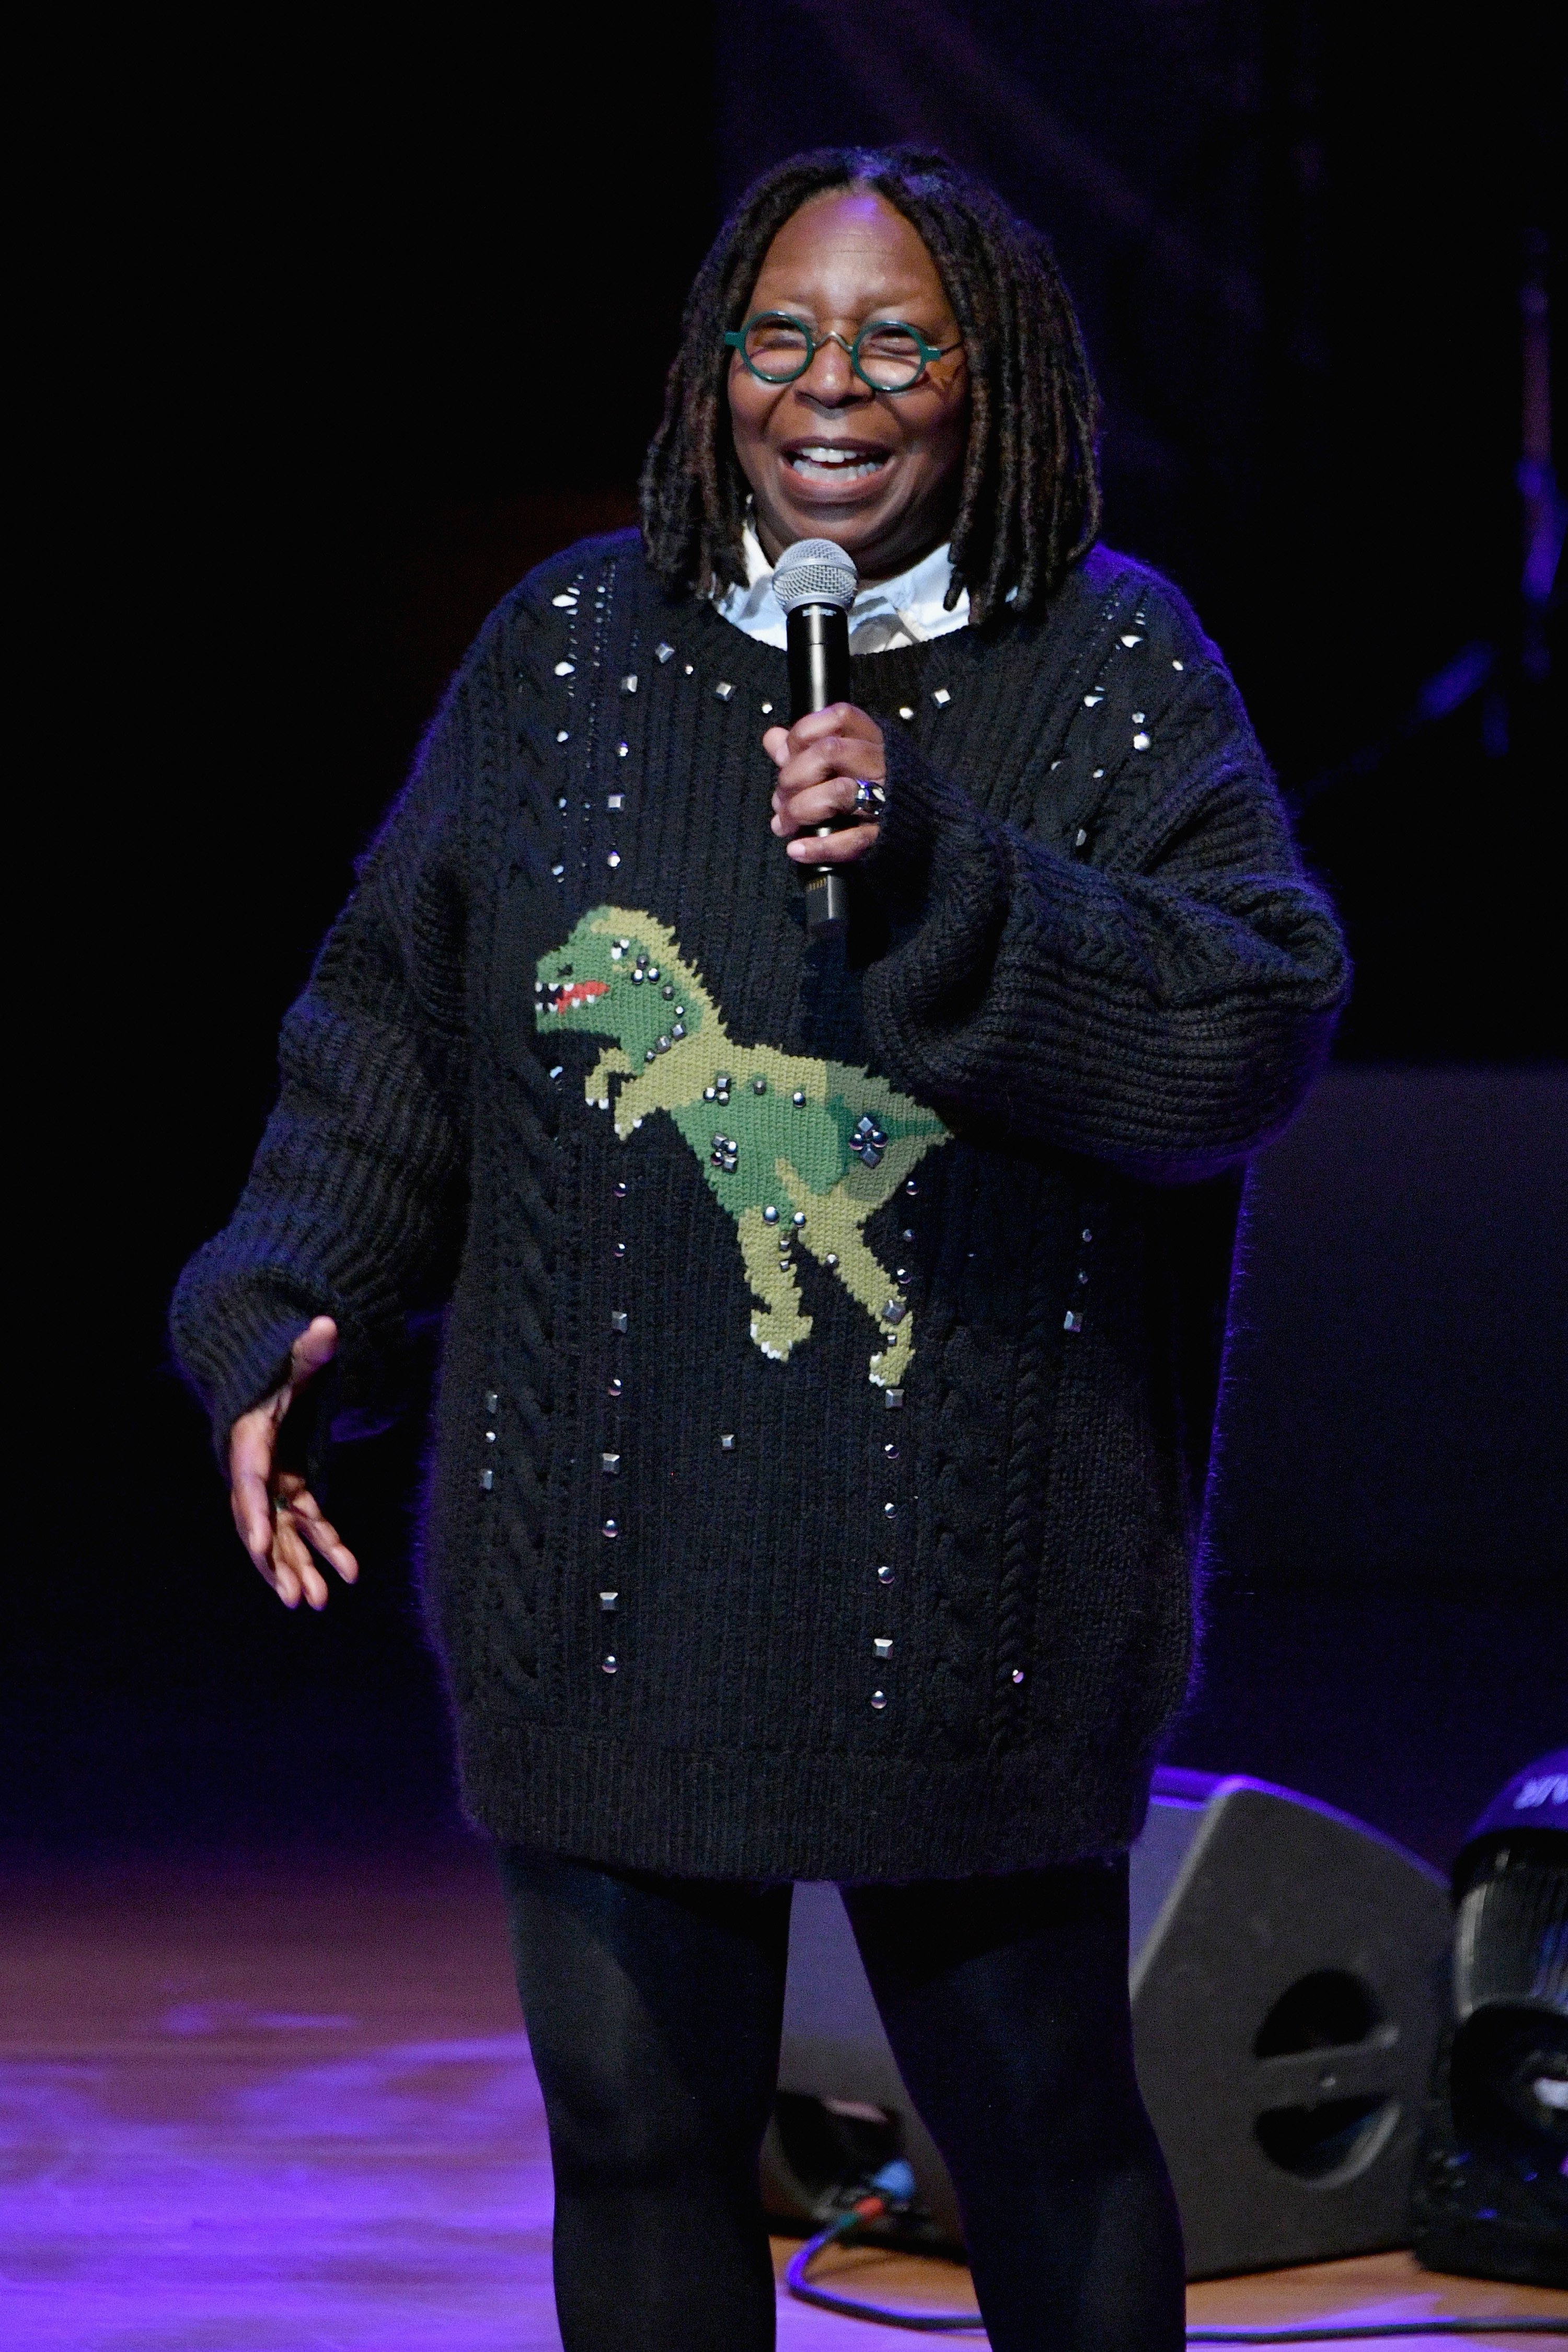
x: 816, y: 583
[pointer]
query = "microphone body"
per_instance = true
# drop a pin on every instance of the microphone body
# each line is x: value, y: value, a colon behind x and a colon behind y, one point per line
x: 816, y: 583
x: 818, y: 640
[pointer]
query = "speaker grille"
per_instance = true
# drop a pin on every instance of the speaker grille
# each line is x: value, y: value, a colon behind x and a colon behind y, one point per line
x: 1511, y: 1937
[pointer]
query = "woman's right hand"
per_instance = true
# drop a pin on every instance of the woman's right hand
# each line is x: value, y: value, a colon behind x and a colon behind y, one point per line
x: 279, y: 1522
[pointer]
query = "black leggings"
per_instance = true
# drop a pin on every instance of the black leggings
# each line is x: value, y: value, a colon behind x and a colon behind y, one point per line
x: 654, y: 2007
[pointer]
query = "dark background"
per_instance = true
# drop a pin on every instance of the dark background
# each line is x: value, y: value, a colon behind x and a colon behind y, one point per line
x: 335, y: 345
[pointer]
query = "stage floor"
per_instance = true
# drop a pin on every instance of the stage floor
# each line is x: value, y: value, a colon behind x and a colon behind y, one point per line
x: 287, y: 2105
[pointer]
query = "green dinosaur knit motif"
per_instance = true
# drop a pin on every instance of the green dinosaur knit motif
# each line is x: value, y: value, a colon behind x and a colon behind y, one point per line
x: 801, y: 1153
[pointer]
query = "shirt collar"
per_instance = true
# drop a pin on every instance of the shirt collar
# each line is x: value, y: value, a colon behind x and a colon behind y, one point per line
x: 905, y: 610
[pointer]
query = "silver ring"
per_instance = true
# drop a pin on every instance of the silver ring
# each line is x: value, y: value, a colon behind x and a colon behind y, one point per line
x: 867, y: 799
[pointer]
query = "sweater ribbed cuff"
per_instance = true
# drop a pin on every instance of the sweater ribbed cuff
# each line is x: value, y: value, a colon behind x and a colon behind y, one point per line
x: 924, y: 813
x: 236, y: 1359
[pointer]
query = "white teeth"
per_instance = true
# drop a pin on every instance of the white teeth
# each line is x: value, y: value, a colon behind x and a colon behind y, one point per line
x: 823, y: 458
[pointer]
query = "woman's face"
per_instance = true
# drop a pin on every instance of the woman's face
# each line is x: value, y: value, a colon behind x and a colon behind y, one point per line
x: 826, y: 457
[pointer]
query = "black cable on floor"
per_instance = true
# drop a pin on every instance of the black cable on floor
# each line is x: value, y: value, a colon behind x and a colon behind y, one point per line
x: 967, y: 2323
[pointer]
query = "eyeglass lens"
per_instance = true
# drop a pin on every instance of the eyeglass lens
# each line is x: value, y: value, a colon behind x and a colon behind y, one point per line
x: 890, y: 356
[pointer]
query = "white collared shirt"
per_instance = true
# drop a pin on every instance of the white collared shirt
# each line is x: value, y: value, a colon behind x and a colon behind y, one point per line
x: 905, y: 610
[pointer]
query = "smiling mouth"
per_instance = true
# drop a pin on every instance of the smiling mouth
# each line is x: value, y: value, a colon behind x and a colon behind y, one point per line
x: 565, y: 995
x: 832, y: 461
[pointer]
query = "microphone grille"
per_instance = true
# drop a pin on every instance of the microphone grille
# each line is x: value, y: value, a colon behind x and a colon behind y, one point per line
x: 815, y: 571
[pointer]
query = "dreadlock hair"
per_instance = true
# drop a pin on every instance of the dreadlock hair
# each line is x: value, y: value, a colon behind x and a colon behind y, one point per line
x: 1029, y: 503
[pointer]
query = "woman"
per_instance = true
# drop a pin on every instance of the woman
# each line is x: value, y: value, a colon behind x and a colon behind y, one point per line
x: 833, y: 1333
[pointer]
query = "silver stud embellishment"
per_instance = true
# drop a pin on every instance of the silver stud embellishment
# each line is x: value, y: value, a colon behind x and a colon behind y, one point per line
x: 614, y: 858
x: 563, y: 735
x: 663, y: 652
x: 619, y: 1188
x: 565, y: 668
x: 491, y: 1400
x: 486, y: 1479
x: 1175, y: 665
x: 610, y: 1463
x: 1141, y: 741
x: 607, y: 1666
x: 766, y: 708
x: 904, y: 710
x: 566, y: 601
x: 616, y: 800
x: 942, y: 697
x: 869, y: 1142
x: 894, y: 1311
x: 615, y: 1387
x: 884, y: 1574
x: 890, y: 1510
x: 1091, y: 700
x: 617, y: 1319
x: 726, y: 1442
x: 612, y: 1528
x: 723, y: 690
x: 883, y: 1648
x: 1071, y: 1321
x: 629, y: 683
x: 1088, y: 1235
x: 1080, y: 836
x: 878, y: 1700
x: 609, y: 1603
x: 1017, y: 1674
x: 1130, y: 637
x: 892, y: 1399
x: 769, y: 1217
x: 558, y: 871
x: 621, y: 751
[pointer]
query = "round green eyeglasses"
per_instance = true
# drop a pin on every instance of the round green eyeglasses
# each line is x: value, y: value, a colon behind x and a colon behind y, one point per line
x: 888, y: 354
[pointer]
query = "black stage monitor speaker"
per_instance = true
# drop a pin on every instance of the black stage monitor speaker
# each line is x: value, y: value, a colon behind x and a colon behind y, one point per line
x: 1288, y: 1970
x: 1490, y: 2198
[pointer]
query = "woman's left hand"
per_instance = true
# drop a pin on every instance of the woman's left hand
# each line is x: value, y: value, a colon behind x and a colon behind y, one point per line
x: 821, y: 759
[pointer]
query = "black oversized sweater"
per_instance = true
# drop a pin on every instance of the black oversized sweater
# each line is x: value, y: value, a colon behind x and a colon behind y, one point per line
x: 834, y: 1333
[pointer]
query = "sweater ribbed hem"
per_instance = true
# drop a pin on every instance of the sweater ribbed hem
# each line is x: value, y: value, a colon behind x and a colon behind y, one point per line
x: 767, y: 1815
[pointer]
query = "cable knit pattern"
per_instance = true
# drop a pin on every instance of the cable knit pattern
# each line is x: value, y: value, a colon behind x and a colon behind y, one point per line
x: 712, y: 1600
